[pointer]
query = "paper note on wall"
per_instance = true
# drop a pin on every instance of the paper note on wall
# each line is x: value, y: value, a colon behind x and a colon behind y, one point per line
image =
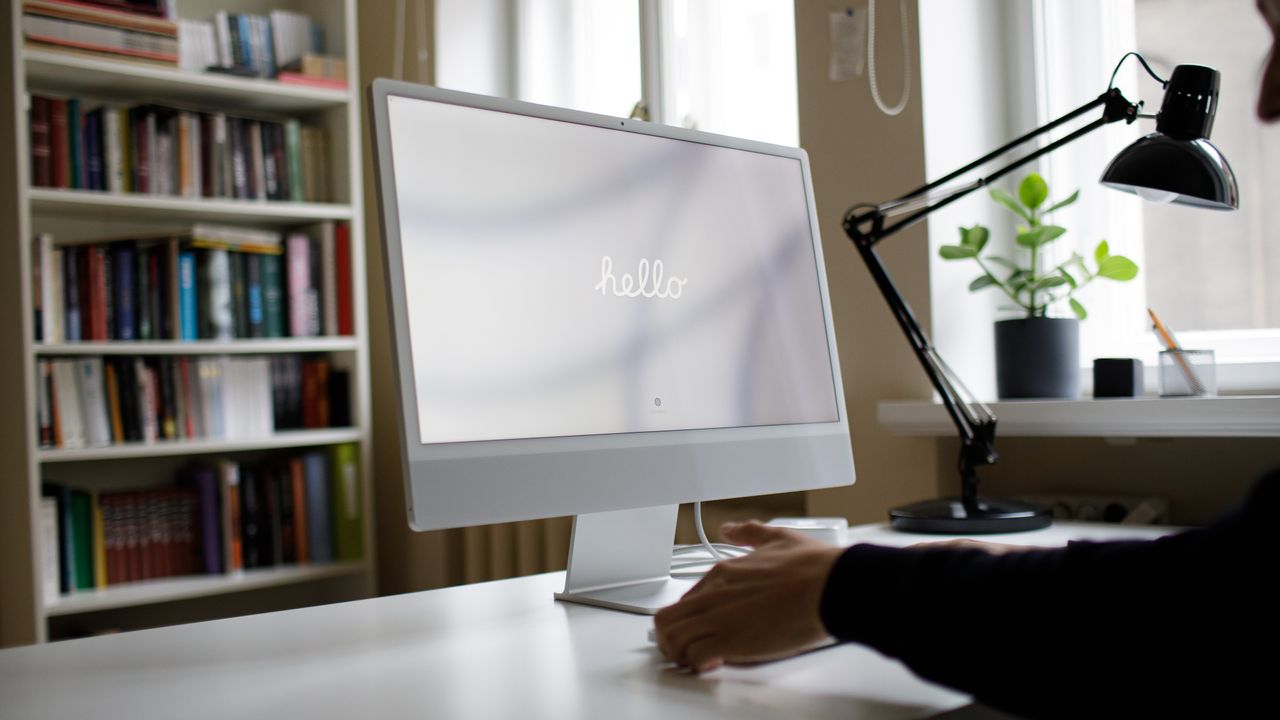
x: 848, y: 49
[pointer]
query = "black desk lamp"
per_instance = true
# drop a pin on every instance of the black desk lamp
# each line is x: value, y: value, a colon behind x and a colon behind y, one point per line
x: 1175, y: 164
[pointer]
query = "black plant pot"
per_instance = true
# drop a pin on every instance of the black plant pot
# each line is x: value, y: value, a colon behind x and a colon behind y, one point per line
x: 1038, y: 358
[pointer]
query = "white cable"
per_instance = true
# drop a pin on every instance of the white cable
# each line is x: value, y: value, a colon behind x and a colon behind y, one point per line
x: 398, y: 61
x: 871, y: 61
x: 702, y: 533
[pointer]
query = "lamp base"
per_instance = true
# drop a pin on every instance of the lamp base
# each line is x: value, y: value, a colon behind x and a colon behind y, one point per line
x: 948, y: 516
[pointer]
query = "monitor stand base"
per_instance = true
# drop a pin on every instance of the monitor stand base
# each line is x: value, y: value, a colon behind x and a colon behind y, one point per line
x: 621, y: 560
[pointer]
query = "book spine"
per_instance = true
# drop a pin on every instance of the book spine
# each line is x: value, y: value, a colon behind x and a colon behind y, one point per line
x: 328, y: 278
x: 41, y: 144
x: 194, y: 155
x: 103, y: 299
x: 44, y: 403
x: 254, y: 294
x: 57, y: 311
x: 143, y: 295
x: 93, y: 402
x: 216, y: 280
x: 293, y: 158
x: 82, y: 534
x: 187, y: 295
x: 258, y: 173
x: 233, y: 547
x: 319, y: 514
x: 99, y: 541
x: 112, y: 139
x: 47, y: 287
x: 75, y: 133
x: 347, y: 502
x: 47, y: 523
x: 298, y: 262
x: 239, y: 295
x: 301, y: 531
x: 344, y: 291
x: 272, y: 297
x: 168, y: 400
x: 71, y: 293
x: 125, y: 293
x: 93, y: 150
x: 210, y: 521
x: 111, y: 378
x: 59, y: 144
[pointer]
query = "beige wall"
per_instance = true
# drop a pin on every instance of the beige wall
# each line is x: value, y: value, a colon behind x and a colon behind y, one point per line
x: 860, y: 155
x: 1200, y: 477
x: 406, y: 560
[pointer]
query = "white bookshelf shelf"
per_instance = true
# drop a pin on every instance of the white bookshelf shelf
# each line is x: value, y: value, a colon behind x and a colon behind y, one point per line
x: 200, y: 347
x: 187, y: 587
x: 288, y: 439
x: 129, y: 206
x: 72, y: 73
x: 1253, y: 416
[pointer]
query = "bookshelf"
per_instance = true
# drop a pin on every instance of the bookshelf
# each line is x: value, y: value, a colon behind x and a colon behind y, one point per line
x: 84, y: 216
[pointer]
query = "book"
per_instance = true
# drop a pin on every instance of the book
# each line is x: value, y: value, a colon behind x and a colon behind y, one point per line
x: 47, y: 529
x: 75, y: 129
x: 61, y: 496
x: 66, y: 403
x: 319, y: 507
x: 82, y: 538
x: 41, y: 142
x: 348, y: 506
x: 99, y: 540
x: 232, y: 542
x: 187, y: 295
x: 93, y: 402
x: 126, y: 291
x: 210, y: 522
x: 59, y: 144
x: 303, y: 313
x: 343, y: 292
x: 256, y: 320
x: 272, y: 297
x: 87, y: 36
x: 301, y: 530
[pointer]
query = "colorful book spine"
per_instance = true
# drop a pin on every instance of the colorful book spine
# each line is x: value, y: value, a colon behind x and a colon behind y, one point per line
x: 348, y: 506
x: 319, y: 507
x: 187, y: 295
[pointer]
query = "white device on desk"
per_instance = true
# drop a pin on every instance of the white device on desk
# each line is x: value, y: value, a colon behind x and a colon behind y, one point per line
x: 600, y: 317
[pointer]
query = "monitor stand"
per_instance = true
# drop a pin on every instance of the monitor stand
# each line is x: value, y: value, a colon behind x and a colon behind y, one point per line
x: 622, y: 560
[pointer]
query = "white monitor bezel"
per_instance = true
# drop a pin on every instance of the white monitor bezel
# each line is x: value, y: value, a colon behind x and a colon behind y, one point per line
x: 473, y: 495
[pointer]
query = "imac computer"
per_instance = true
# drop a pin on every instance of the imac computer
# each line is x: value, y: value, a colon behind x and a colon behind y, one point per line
x: 604, y: 318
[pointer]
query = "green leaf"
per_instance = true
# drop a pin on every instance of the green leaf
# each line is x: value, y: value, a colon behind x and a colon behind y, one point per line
x: 1118, y: 267
x: 981, y: 281
x: 1070, y: 279
x: 1078, y: 309
x: 1052, y: 281
x: 1005, y: 199
x: 977, y: 238
x: 956, y: 252
x: 1101, y: 252
x: 1033, y: 191
x: 1004, y: 262
x: 1040, y: 236
x: 1063, y: 203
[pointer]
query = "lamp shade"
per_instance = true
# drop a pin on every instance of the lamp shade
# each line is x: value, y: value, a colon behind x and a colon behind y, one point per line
x: 1177, y: 163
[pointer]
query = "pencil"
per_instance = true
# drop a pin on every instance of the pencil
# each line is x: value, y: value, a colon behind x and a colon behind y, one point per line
x: 1171, y: 344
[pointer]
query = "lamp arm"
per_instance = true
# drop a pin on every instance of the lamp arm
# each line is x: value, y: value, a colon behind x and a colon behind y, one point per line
x: 866, y: 227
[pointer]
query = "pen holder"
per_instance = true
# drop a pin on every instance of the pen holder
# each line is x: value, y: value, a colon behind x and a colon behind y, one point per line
x: 1187, y: 373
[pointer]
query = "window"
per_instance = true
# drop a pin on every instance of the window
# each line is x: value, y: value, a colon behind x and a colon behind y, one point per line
x: 724, y: 66
x: 1209, y: 275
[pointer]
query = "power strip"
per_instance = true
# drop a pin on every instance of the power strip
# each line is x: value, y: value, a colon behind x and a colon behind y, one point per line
x: 1105, y: 508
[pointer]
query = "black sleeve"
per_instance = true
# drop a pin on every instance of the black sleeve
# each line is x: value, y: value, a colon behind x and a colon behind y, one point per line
x: 1169, y: 627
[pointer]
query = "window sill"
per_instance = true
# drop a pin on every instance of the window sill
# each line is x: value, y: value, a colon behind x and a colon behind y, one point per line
x: 1232, y: 416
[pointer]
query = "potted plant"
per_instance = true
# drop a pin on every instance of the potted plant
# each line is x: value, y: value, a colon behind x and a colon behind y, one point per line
x: 1037, y: 356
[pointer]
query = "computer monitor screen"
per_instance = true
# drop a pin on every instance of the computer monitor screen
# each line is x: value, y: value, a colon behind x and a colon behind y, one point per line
x: 591, y: 314
x: 564, y: 280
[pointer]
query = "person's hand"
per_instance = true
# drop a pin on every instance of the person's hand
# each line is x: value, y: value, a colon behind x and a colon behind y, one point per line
x: 760, y: 607
x: 967, y: 544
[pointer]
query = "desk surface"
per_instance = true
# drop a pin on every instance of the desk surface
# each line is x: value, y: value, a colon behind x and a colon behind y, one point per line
x: 501, y: 649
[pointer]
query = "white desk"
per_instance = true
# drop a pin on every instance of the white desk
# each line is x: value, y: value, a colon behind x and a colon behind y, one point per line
x: 493, y: 650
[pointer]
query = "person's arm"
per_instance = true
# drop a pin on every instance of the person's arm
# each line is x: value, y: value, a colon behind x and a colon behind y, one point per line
x: 1094, y: 629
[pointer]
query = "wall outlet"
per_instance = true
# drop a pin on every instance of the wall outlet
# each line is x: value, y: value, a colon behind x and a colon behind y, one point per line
x: 1105, y: 508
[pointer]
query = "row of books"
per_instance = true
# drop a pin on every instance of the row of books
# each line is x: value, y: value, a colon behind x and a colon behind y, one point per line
x: 215, y: 518
x: 267, y: 46
x: 160, y: 150
x: 203, y: 283
x: 103, y: 401
x: 136, y: 31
